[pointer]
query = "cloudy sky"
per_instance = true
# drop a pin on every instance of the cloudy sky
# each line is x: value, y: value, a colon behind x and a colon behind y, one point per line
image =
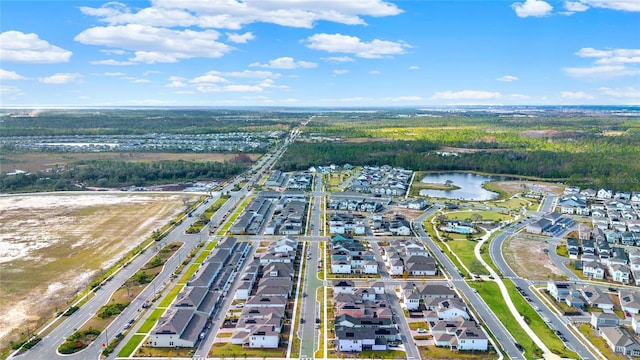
x: 319, y: 52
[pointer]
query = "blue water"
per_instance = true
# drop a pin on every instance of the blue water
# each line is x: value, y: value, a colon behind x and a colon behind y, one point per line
x: 470, y: 186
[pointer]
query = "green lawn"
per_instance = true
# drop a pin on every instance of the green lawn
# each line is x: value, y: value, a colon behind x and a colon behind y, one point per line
x: 151, y: 321
x: 537, y: 324
x: 131, y: 346
x: 482, y: 215
x: 170, y: 296
x: 464, y: 250
x: 599, y: 342
x: 491, y: 294
x: 234, y: 216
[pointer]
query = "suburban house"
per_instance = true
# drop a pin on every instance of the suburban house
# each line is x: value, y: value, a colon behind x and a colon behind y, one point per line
x: 596, y: 297
x: 629, y: 301
x: 604, y: 319
x: 620, y: 340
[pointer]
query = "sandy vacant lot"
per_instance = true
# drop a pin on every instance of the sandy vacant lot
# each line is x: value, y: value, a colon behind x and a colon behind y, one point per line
x: 516, y: 186
x: 52, y: 245
x: 529, y: 259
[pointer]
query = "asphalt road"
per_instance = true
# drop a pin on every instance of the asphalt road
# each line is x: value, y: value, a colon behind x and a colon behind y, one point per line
x: 501, y: 334
x: 555, y: 322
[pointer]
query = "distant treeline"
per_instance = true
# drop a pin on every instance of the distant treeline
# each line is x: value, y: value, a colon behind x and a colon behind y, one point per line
x: 114, y: 174
x: 129, y: 122
x: 598, y: 169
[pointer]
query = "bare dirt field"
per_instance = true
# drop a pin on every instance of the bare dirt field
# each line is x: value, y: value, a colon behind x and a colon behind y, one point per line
x: 529, y: 259
x: 517, y: 186
x: 52, y: 245
x: 40, y: 161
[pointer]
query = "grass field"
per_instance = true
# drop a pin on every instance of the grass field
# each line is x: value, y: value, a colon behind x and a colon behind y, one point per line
x: 537, y: 324
x: 491, y: 294
x: 131, y: 346
x: 479, y: 216
x: 464, y: 250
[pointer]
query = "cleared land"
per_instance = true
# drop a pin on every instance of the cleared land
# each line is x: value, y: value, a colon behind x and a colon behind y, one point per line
x: 52, y: 245
x: 513, y: 187
x: 41, y: 161
x: 529, y: 259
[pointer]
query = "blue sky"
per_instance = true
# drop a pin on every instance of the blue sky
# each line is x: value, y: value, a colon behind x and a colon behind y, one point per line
x: 319, y: 52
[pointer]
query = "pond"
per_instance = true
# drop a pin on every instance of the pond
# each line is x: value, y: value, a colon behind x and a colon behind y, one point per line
x: 470, y: 186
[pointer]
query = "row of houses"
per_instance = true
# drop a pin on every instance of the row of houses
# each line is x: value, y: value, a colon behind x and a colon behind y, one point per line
x: 551, y: 224
x: 408, y: 257
x: 363, y: 318
x: 289, y: 217
x: 266, y: 285
x: 450, y: 323
x: 598, y: 258
x: 349, y: 256
x: 253, y: 217
x: 383, y: 180
x: 346, y: 223
x: 396, y: 225
x: 350, y: 201
x: 184, y: 322
x: 579, y: 296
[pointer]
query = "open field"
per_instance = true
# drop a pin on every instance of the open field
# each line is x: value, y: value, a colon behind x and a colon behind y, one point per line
x: 513, y: 187
x: 41, y: 161
x: 51, y: 246
x: 529, y: 259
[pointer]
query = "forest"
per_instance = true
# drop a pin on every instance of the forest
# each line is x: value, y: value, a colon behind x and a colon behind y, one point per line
x: 113, y: 174
x: 585, y: 146
x: 137, y: 122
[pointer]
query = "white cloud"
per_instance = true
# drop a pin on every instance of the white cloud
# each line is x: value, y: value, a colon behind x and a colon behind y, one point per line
x: 609, y: 63
x: 210, y: 77
x: 149, y: 72
x: 629, y: 92
x: 176, y: 81
x: 414, y: 67
x: 575, y: 6
x: 286, y: 63
x: 16, y: 46
x: 374, y: 72
x: 338, y: 59
x: 508, y: 78
x: 536, y: 8
x: 229, y: 88
x: 353, y: 45
x: 10, y: 90
x: 153, y: 44
x: 403, y: 99
x: 112, y: 51
x: 520, y: 96
x: 339, y: 72
x: 602, y: 71
x: 60, y: 78
x: 10, y: 75
x: 234, y: 14
x: 112, y: 62
x: 575, y: 95
x: 140, y: 81
x: 465, y: 95
x: 114, y: 74
x: 217, y: 81
x: 240, y: 38
x: 623, y: 5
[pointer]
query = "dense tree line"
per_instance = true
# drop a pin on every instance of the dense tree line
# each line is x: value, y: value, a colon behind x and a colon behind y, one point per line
x: 600, y: 169
x: 113, y: 174
x: 129, y: 122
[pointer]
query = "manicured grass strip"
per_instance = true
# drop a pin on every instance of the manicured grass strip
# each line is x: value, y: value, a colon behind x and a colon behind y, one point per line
x: 491, y: 294
x: 234, y: 216
x: 170, y: 296
x: 464, y: 250
x: 480, y: 215
x: 599, y: 342
x: 538, y: 325
x: 131, y: 346
x: 151, y: 321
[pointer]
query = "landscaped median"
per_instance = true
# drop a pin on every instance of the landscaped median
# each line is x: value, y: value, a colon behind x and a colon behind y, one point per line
x: 152, y: 320
x: 119, y: 300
